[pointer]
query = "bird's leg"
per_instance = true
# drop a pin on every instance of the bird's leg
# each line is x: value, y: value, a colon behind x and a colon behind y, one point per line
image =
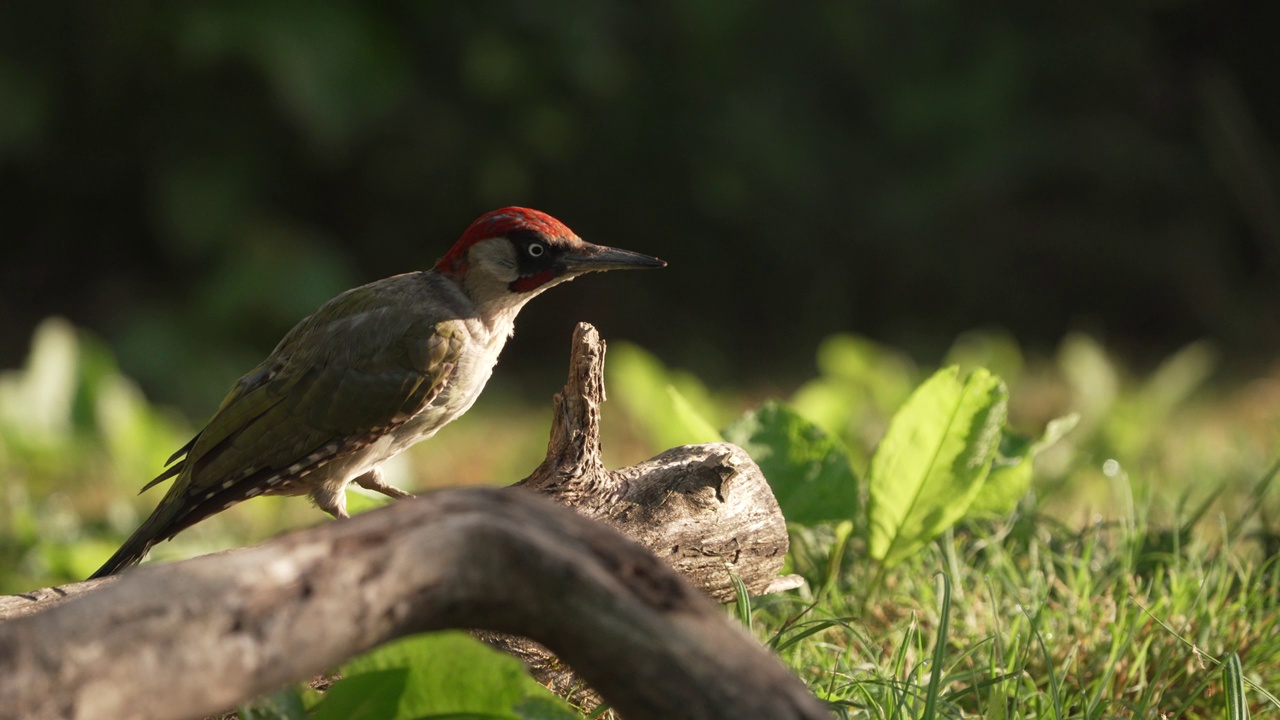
x: 331, y: 498
x: 372, y: 480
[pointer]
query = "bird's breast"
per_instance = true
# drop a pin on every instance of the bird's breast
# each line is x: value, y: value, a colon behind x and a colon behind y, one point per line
x: 459, y: 392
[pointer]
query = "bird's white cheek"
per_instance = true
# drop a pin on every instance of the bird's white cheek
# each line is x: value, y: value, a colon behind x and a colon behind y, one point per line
x: 495, y: 258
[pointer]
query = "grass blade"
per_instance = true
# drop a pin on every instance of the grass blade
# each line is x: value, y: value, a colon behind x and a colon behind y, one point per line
x: 939, y: 651
x: 742, y: 600
x: 1233, y: 679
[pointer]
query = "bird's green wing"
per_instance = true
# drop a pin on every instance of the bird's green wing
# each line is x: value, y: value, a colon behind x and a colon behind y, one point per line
x: 338, y: 382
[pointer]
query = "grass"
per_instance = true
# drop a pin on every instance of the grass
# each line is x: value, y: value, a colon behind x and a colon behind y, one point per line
x: 1027, y: 618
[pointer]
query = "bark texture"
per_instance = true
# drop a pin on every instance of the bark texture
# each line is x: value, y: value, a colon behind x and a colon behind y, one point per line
x: 705, y: 509
x: 193, y: 638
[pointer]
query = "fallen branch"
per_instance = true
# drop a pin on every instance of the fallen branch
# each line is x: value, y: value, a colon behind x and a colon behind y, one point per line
x: 195, y: 637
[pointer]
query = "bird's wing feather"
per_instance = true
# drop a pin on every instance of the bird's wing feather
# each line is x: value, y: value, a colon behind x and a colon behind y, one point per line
x: 356, y: 368
x: 338, y: 380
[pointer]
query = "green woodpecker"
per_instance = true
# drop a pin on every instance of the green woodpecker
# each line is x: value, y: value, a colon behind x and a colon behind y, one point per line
x: 371, y: 372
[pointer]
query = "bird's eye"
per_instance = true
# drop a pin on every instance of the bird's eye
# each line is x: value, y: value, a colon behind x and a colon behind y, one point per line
x: 536, y: 249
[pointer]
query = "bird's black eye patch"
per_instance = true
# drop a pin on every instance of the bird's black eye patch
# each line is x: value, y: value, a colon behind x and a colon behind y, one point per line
x: 534, y: 252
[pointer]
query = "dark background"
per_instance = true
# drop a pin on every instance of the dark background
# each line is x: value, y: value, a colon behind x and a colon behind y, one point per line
x: 190, y: 179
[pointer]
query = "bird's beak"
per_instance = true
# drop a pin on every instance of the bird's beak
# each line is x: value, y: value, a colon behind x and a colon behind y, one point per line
x: 595, y: 258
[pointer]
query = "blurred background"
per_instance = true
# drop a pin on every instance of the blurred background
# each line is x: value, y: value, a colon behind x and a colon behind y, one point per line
x: 182, y: 182
x: 188, y: 180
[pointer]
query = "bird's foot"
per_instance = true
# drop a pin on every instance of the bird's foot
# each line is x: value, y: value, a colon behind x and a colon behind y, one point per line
x: 373, y: 480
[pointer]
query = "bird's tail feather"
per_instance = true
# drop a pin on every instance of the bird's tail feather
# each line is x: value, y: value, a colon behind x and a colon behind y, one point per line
x: 129, y: 554
x: 159, y: 526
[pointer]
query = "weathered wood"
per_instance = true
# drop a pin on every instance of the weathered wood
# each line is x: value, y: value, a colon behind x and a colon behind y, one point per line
x: 16, y: 606
x: 191, y: 638
x: 705, y: 509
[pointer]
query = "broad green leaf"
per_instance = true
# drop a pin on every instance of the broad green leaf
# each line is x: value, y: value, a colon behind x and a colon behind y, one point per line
x: 368, y: 696
x: 1092, y: 376
x: 37, y: 401
x: 545, y: 708
x: 859, y: 380
x: 1010, y: 476
x: 698, y: 426
x: 990, y: 348
x: 933, y: 460
x: 451, y: 674
x: 283, y: 704
x: 673, y: 408
x: 807, y: 468
x: 885, y: 373
x: 1009, y: 479
x: 1136, y: 418
x: 832, y: 405
x: 1178, y: 376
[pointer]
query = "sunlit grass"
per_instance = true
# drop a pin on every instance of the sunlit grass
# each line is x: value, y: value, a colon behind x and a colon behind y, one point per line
x: 1045, y: 621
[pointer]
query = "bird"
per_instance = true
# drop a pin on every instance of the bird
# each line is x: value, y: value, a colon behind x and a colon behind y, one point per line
x: 370, y: 373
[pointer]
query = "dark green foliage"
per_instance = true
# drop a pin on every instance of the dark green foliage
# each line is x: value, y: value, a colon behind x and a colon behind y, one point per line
x: 372, y: 695
x: 807, y: 469
x: 947, y: 455
x: 190, y: 179
x: 441, y: 675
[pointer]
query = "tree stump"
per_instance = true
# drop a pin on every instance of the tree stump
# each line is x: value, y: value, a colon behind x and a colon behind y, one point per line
x: 705, y: 509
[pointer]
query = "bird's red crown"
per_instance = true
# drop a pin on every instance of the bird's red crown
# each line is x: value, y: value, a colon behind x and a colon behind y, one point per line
x: 497, y: 224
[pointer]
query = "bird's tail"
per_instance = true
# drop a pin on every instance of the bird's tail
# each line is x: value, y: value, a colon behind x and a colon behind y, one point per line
x: 129, y: 554
x: 159, y: 526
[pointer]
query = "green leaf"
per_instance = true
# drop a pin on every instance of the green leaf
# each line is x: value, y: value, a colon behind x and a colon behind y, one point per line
x: 284, y: 704
x: 860, y: 380
x: 545, y: 708
x: 807, y: 468
x: 38, y: 401
x: 933, y: 461
x: 990, y: 348
x: 1010, y: 476
x: 1093, y: 378
x: 1008, y: 481
x: 671, y: 407
x: 687, y: 416
x: 451, y: 674
x: 372, y: 695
